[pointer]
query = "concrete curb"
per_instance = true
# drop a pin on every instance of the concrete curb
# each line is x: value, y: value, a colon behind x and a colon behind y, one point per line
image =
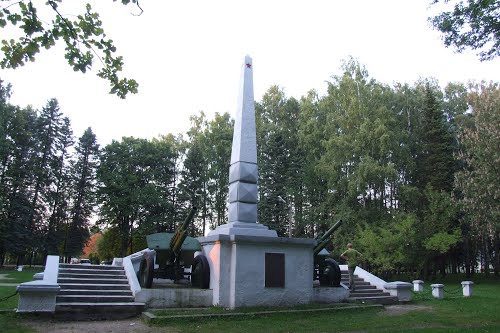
x: 150, y: 317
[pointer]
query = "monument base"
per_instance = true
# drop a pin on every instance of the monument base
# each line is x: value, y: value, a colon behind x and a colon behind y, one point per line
x: 259, y: 271
x: 243, y: 228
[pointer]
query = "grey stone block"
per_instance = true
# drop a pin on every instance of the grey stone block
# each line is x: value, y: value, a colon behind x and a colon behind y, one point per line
x: 243, y: 192
x: 243, y: 171
x: 242, y: 212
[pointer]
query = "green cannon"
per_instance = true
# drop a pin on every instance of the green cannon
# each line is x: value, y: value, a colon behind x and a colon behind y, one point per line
x: 174, y: 255
x: 327, y: 270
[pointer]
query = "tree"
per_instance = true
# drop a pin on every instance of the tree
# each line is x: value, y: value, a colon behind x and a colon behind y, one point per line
x: 219, y: 138
x: 123, y: 176
x: 59, y: 196
x: 82, y: 35
x: 474, y: 25
x: 83, y: 171
x: 479, y: 180
x: 139, y: 187
x: 278, y: 157
x: 194, y: 173
x: 18, y: 163
x: 435, y: 163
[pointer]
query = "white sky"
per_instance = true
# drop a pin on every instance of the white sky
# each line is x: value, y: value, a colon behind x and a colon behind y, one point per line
x: 186, y: 56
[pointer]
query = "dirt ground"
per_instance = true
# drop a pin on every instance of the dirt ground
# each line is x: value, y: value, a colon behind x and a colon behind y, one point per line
x: 135, y: 325
x: 401, y: 309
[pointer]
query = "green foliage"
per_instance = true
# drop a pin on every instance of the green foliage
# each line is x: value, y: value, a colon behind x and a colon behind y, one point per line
x: 388, y: 247
x: 84, y: 39
x: 441, y: 242
x: 139, y: 186
x: 478, y: 182
x: 475, y: 25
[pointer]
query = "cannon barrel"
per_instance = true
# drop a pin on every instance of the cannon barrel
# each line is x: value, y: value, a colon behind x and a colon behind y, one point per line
x: 323, y: 240
x: 181, y: 232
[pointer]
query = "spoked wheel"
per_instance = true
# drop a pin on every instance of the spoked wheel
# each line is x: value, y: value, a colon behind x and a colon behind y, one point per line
x: 200, y: 274
x: 331, y: 275
x: 146, y: 269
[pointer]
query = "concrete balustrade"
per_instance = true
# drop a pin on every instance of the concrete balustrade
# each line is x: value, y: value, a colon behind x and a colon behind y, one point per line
x: 40, y: 295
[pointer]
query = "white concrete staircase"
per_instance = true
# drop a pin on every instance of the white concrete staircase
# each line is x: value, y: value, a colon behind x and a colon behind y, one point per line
x: 95, y: 292
x: 366, y: 292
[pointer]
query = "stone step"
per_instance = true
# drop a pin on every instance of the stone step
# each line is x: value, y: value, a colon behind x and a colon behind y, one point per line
x: 91, y: 276
x: 364, y: 293
x: 125, y: 292
x: 93, y: 299
x: 92, y: 271
x: 357, y: 282
x: 98, y: 311
x: 94, y: 286
x: 96, y: 267
x: 375, y: 299
x: 92, y: 281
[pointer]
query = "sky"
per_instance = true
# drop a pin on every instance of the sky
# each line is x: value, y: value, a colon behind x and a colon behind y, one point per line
x: 187, y: 57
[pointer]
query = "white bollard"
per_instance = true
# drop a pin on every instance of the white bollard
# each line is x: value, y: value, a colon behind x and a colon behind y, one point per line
x: 418, y: 286
x: 437, y: 290
x: 402, y: 290
x: 467, y: 288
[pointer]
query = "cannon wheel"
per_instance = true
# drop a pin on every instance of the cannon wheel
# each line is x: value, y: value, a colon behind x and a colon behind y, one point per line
x: 200, y: 274
x: 145, y: 274
x: 332, y: 274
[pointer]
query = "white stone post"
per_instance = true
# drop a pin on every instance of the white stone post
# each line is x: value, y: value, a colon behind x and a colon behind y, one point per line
x: 402, y: 290
x: 437, y: 290
x: 40, y: 295
x: 467, y: 288
x: 418, y: 286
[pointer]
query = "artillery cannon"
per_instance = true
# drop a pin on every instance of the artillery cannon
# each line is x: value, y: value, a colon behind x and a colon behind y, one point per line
x: 327, y: 270
x: 174, y: 253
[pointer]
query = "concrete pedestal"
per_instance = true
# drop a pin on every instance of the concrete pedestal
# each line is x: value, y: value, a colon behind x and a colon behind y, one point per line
x: 238, y: 270
x: 418, y: 286
x: 37, y: 296
x: 437, y: 290
x: 402, y: 290
x: 467, y: 288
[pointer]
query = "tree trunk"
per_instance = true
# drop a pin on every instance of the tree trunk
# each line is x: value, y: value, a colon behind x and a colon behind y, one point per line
x: 486, y: 255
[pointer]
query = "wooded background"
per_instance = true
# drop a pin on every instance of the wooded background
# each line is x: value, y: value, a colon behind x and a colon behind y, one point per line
x: 412, y: 170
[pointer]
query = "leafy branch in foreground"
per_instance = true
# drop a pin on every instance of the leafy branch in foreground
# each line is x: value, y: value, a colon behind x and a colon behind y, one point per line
x: 475, y: 25
x: 84, y: 38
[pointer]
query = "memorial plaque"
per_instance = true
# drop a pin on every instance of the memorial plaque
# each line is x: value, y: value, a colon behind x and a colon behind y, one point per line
x: 275, y: 270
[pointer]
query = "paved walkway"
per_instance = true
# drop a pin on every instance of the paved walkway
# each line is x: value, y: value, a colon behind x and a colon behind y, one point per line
x: 9, y: 284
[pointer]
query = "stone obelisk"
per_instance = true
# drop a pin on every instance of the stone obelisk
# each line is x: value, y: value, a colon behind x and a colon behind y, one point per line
x: 243, y: 169
x: 249, y: 264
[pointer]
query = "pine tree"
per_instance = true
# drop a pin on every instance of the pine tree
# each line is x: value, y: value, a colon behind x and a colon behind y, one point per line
x: 83, y: 178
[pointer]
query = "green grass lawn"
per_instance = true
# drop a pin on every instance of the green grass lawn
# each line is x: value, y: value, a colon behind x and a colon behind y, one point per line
x: 19, y: 277
x: 454, y: 313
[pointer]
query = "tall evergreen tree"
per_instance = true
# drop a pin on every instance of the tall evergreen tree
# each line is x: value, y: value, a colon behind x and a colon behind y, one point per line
x: 219, y: 137
x: 59, y: 194
x: 83, y: 171
x: 436, y: 162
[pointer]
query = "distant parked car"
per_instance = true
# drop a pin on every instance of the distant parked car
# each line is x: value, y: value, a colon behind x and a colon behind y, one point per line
x: 106, y: 262
x: 85, y: 262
